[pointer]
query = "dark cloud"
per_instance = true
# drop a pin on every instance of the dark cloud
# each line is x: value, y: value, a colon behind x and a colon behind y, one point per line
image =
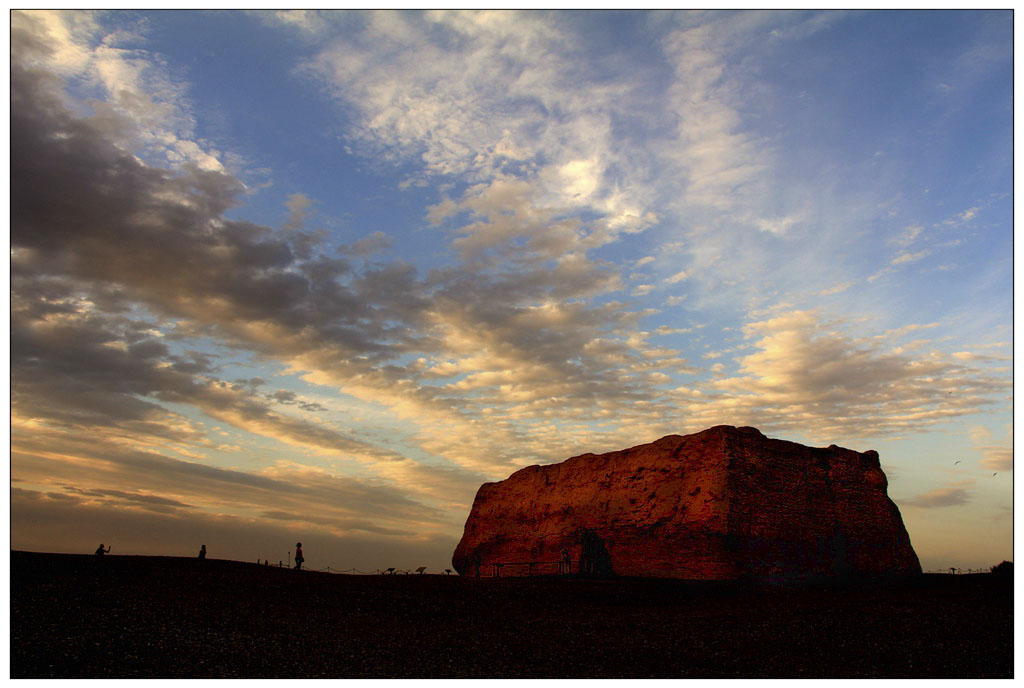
x: 101, y: 469
x: 290, y: 398
x: 100, y: 459
x: 85, y: 210
x: 124, y: 277
x: 88, y: 370
x: 144, y: 500
x: 283, y: 396
x: 93, y: 224
x: 374, y: 243
x: 162, y: 239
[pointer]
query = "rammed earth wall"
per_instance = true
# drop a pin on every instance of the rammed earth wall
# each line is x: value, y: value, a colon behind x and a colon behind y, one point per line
x: 725, y: 503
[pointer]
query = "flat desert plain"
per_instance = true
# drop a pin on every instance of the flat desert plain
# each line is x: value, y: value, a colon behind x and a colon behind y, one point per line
x: 81, y: 616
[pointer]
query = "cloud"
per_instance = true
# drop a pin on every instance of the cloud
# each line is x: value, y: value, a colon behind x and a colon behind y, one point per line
x: 60, y: 40
x: 525, y: 104
x: 122, y: 236
x: 142, y: 102
x: 995, y: 456
x: 374, y: 243
x: 488, y: 94
x: 307, y: 21
x: 86, y: 370
x: 148, y: 501
x: 85, y: 467
x: 907, y: 237
x: 807, y: 374
x: 938, y: 498
x: 837, y: 289
x: 135, y: 295
x: 298, y: 206
x: 904, y: 257
x: 715, y: 158
x: 779, y: 225
x: 969, y: 214
x: 125, y: 236
x: 678, y: 277
x: 437, y: 213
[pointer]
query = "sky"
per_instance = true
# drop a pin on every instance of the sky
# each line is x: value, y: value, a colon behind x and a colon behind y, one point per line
x: 300, y: 275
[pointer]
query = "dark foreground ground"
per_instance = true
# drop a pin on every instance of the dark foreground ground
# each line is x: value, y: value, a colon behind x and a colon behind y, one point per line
x: 161, y: 617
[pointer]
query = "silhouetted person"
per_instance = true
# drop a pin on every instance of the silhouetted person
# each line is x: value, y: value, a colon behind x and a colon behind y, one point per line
x: 100, y: 551
x: 202, y: 552
x: 566, y: 561
x: 298, y: 556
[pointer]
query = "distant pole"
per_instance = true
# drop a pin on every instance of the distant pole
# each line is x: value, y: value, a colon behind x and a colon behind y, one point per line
x: 289, y: 558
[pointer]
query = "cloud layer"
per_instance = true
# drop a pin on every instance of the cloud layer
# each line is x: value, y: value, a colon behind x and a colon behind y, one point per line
x: 171, y: 360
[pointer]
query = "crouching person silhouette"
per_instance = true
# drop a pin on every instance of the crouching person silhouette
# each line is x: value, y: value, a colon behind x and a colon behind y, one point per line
x: 100, y: 551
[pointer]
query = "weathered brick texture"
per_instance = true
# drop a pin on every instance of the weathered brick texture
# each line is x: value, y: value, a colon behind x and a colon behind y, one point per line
x: 725, y: 503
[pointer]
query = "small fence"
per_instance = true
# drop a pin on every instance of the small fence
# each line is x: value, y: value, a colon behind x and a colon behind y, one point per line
x: 355, y: 571
x: 514, y: 569
x: 509, y: 569
x: 379, y: 572
x: 519, y: 569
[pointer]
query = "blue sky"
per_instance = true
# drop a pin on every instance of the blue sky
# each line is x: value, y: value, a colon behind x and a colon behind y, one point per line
x: 318, y: 275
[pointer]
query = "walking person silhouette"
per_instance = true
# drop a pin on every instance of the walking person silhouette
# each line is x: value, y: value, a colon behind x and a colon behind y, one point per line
x: 298, y: 556
x: 202, y: 552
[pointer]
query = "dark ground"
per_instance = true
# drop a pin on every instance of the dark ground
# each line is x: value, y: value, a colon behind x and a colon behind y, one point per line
x: 162, y: 617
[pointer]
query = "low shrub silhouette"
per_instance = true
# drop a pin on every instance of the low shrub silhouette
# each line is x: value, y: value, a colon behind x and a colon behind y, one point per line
x: 1003, y: 569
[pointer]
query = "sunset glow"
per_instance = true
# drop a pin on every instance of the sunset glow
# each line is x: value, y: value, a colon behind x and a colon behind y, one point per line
x: 317, y: 276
